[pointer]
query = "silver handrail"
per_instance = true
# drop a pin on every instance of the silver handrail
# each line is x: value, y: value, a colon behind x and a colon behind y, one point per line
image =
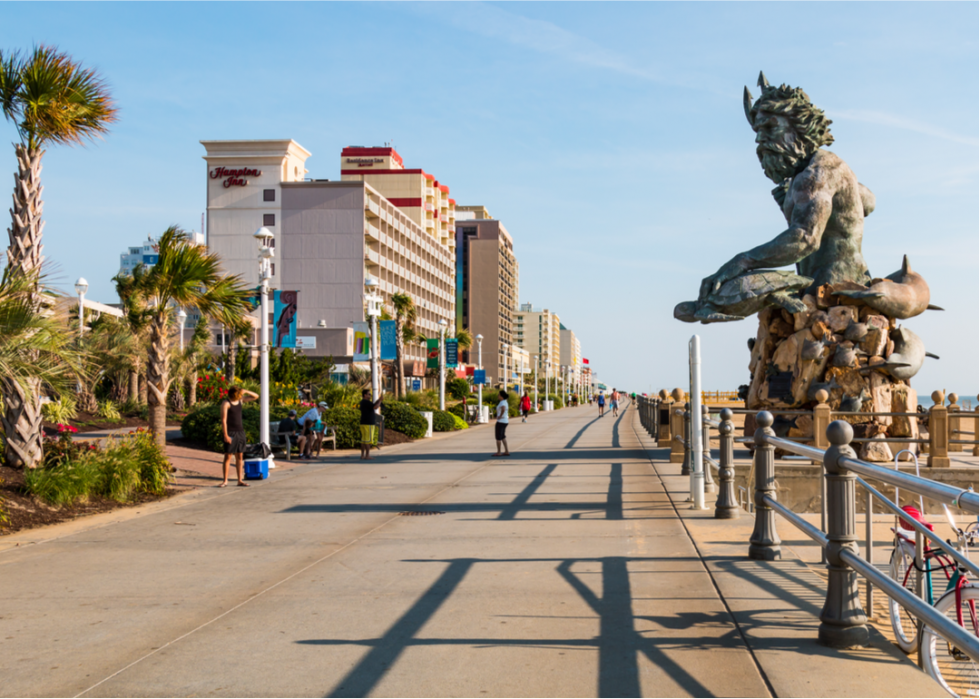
x: 927, y: 614
x: 811, y: 531
x: 964, y: 499
x: 921, y: 528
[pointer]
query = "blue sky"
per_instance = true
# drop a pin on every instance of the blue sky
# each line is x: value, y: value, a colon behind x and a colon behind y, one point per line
x: 609, y: 138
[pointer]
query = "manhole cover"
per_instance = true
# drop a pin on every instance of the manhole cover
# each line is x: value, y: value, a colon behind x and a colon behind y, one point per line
x: 419, y: 513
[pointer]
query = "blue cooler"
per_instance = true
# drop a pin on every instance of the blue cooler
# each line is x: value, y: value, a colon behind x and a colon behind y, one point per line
x: 256, y: 469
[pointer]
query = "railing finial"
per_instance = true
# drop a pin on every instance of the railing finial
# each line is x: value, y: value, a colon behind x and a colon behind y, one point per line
x: 840, y: 433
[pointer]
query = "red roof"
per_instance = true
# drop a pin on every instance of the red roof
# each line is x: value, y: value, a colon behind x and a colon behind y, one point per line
x: 357, y: 150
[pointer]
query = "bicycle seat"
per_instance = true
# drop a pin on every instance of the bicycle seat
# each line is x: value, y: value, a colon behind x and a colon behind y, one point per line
x: 914, y: 513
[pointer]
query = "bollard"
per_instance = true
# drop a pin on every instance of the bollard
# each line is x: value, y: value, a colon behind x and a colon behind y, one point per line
x: 709, y: 481
x: 686, y: 464
x: 764, y: 543
x: 726, y: 506
x: 843, y: 623
x: 954, y: 422
x: 938, y: 432
x: 676, y: 423
x: 821, y: 420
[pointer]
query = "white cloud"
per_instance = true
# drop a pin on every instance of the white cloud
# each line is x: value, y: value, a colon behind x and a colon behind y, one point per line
x: 899, y: 122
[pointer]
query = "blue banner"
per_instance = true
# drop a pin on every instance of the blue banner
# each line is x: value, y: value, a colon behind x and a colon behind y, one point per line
x: 416, y: 384
x: 452, y: 353
x: 285, y: 309
x: 386, y: 333
x: 479, y: 377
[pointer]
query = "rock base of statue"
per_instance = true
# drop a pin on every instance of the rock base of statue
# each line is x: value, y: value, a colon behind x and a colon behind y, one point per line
x: 844, y: 347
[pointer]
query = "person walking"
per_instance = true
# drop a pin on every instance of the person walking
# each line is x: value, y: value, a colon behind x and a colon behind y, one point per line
x: 369, y: 423
x: 601, y: 400
x: 233, y: 432
x: 500, y: 429
x: 525, y: 406
x: 614, y: 402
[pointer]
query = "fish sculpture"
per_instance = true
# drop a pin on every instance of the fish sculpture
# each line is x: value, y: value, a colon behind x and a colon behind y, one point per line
x: 903, y: 294
x: 906, y: 360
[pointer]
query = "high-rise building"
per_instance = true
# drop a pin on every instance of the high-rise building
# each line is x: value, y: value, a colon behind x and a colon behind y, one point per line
x: 486, y: 289
x: 148, y: 252
x: 539, y: 332
x: 571, y: 352
x: 417, y: 193
x: 329, y: 237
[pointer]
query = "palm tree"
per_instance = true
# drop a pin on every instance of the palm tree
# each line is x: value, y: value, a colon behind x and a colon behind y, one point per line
x: 51, y: 100
x: 136, y: 318
x: 184, y: 275
x: 405, y: 316
x: 464, y: 339
x: 197, y: 353
x: 36, y: 353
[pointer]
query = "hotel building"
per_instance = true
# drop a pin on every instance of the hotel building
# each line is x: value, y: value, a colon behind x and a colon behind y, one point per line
x: 571, y: 351
x: 539, y: 332
x: 329, y: 237
x: 486, y: 289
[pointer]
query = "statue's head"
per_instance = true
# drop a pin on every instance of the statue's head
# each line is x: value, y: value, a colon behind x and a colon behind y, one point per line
x: 788, y: 128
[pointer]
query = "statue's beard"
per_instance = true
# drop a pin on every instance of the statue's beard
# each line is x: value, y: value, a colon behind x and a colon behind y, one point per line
x: 780, y: 160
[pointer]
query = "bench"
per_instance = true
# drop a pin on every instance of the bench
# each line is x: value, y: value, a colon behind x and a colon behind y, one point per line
x: 282, y: 441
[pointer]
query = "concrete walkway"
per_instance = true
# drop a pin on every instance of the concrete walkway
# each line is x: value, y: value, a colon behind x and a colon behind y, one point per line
x: 570, y: 569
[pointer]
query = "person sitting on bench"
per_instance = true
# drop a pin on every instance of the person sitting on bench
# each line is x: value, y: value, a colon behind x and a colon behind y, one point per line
x: 288, y: 427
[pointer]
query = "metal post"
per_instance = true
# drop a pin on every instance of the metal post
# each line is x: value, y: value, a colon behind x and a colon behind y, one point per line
x: 869, y: 553
x: 442, y: 365
x: 537, y: 367
x: 81, y: 315
x: 764, y: 544
x: 686, y: 464
x: 375, y: 349
x: 726, y: 506
x: 479, y: 389
x: 675, y: 425
x: 264, y: 357
x: 709, y: 481
x: 843, y: 624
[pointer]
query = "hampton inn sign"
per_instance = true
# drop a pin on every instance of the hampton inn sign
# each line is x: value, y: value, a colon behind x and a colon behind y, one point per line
x: 234, y: 178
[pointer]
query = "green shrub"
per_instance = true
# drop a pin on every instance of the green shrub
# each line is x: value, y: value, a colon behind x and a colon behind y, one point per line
x: 109, y: 411
x: 442, y: 421
x: 130, y: 408
x: 347, y: 422
x: 154, y: 467
x: 459, y: 422
x: 558, y: 401
x: 63, y: 482
x: 458, y: 410
x: 203, y: 425
x: 117, y: 469
x: 403, y: 418
x: 458, y: 388
x: 62, y: 410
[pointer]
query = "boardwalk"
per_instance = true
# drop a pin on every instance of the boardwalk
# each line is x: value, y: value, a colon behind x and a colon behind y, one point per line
x: 569, y: 569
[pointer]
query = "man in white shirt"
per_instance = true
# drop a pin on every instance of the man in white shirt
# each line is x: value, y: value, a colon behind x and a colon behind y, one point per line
x: 500, y: 429
x: 307, y: 424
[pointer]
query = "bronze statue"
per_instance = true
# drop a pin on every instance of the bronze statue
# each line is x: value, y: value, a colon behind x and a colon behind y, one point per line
x: 819, y: 195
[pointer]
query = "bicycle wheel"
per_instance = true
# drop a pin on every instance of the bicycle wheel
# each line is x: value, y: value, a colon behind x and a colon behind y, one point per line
x: 948, y: 665
x: 905, y: 626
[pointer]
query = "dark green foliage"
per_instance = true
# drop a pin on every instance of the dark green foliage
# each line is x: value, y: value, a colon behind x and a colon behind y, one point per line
x: 403, y: 418
x: 347, y: 422
x: 442, y: 421
x: 458, y: 389
x: 459, y: 410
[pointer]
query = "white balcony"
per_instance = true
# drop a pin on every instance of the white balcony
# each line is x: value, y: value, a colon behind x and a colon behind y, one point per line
x: 371, y: 209
x: 371, y: 258
x: 371, y: 232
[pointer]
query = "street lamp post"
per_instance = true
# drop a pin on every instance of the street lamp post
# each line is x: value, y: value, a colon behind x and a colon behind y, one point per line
x: 81, y: 286
x: 374, y: 310
x: 181, y: 319
x: 536, y: 369
x: 547, y: 383
x: 264, y: 236
x: 479, y: 388
x: 442, y: 363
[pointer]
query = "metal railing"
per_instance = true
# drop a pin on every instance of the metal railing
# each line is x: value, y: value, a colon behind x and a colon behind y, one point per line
x: 843, y: 621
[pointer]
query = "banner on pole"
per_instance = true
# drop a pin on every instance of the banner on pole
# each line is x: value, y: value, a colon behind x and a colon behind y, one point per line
x: 432, y: 358
x: 479, y: 377
x: 416, y: 384
x: 362, y: 342
x: 452, y: 353
x: 285, y: 307
x: 386, y: 333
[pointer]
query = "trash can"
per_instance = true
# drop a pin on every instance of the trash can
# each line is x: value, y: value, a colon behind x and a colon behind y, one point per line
x: 428, y: 418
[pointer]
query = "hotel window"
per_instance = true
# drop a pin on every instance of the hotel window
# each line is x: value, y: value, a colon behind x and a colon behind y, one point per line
x: 268, y: 195
x: 268, y: 219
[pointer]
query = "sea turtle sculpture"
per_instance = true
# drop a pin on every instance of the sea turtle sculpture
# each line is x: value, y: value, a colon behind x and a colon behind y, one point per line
x: 746, y: 294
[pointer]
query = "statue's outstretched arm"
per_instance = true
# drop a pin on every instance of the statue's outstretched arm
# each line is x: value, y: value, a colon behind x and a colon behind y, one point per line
x: 812, y: 206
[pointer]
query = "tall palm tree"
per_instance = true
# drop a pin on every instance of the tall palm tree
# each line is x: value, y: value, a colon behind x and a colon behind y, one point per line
x: 184, y: 275
x: 197, y: 353
x: 405, y: 316
x: 51, y: 100
x: 136, y: 318
x: 464, y: 339
x: 37, y: 353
